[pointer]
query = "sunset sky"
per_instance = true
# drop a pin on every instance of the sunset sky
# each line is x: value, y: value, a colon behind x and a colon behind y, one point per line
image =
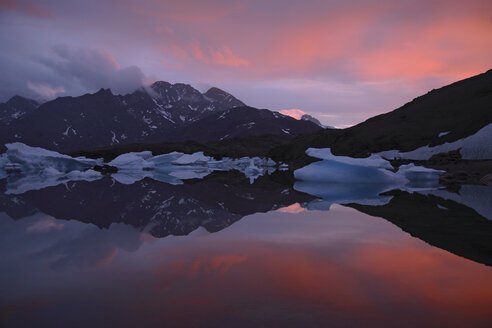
x: 340, y: 61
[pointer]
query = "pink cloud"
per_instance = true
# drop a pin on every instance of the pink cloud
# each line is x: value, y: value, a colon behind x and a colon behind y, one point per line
x: 224, y: 56
x: 44, y: 90
x: 295, y: 113
x: 44, y: 225
x: 25, y: 7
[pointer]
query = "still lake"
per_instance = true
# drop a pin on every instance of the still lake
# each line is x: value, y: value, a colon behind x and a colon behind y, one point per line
x: 225, y: 253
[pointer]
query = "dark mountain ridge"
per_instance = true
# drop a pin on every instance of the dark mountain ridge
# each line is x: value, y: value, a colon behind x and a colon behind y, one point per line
x: 163, y: 112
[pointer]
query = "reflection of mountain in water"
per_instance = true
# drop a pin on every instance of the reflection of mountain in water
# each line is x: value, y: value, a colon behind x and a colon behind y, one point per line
x: 443, y: 223
x: 213, y: 203
x: 454, y: 222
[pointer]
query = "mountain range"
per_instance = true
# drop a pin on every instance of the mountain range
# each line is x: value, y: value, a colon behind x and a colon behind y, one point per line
x: 163, y: 112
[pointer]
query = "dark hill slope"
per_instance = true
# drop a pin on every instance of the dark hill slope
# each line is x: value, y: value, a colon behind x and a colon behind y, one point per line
x: 461, y: 108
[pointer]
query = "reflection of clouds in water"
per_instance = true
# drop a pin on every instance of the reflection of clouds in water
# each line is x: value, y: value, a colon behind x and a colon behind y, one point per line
x: 44, y: 225
x: 293, y: 209
x: 91, y: 247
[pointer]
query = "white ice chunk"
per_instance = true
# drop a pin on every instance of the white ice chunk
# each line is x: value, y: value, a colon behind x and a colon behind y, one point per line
x: 33, y: 159
x: 371, y: 161
x: 412, y: 172
x: 130, y: 161
x: 195, y: 158
x: 340, y: 172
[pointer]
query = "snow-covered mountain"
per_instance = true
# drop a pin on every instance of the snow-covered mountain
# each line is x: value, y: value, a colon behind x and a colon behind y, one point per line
x: 163, y: 112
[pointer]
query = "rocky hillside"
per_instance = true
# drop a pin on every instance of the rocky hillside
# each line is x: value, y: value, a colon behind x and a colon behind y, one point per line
x: 163, y: 112
x: 441, y: 116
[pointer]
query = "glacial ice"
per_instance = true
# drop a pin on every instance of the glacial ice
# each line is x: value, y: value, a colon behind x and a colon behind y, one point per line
x: 373, y: 170
x: 48, y: 177
x: 174, y: 167
x: 341, y: 179
x: 28, y: 168
x: 340, y: 193
x: 188, y: 159
x: 34, y: 159
x: 371, y: 161
x: 419, y: 173
x: 37, y: 168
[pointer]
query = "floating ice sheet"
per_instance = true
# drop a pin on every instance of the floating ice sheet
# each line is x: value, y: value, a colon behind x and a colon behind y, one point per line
x: 36, y: 168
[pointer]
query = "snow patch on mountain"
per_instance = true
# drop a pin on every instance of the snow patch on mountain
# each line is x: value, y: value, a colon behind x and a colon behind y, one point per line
x: 475, y: 147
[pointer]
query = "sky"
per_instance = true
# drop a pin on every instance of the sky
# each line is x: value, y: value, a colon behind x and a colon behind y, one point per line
x: 340, y: 61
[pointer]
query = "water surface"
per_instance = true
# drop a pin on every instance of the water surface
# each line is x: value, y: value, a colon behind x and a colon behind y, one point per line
x: 218, y: 253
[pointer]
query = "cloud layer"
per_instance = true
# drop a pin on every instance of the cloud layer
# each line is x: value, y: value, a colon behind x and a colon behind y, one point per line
x: 339, y: 61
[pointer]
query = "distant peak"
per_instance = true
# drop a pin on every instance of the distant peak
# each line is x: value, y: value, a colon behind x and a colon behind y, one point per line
x: 223, y: 96
x: 103, y: 91
x: 161, y: 84
x: 16, y: 100
x: 16, y: 97
x: 215, y: 90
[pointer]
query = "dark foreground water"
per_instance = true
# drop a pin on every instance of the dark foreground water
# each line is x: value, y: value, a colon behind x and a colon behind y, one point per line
x: 217, y: 254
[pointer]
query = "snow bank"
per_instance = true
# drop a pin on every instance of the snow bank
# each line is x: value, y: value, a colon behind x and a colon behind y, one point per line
x: 474, y: 147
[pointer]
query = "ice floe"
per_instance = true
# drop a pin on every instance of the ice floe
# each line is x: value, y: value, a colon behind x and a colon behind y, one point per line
x: 175, y: 167
x: 373, y: 169
x: 342, y: 179
x: 29, y: 168
x: 36, y: 168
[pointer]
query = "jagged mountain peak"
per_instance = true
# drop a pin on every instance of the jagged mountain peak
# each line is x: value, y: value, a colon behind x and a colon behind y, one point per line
x: 103, y: 91
x: 216, y: 92
x: 223, y: 97
x: 16, y: 107
x: 19, y: 100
